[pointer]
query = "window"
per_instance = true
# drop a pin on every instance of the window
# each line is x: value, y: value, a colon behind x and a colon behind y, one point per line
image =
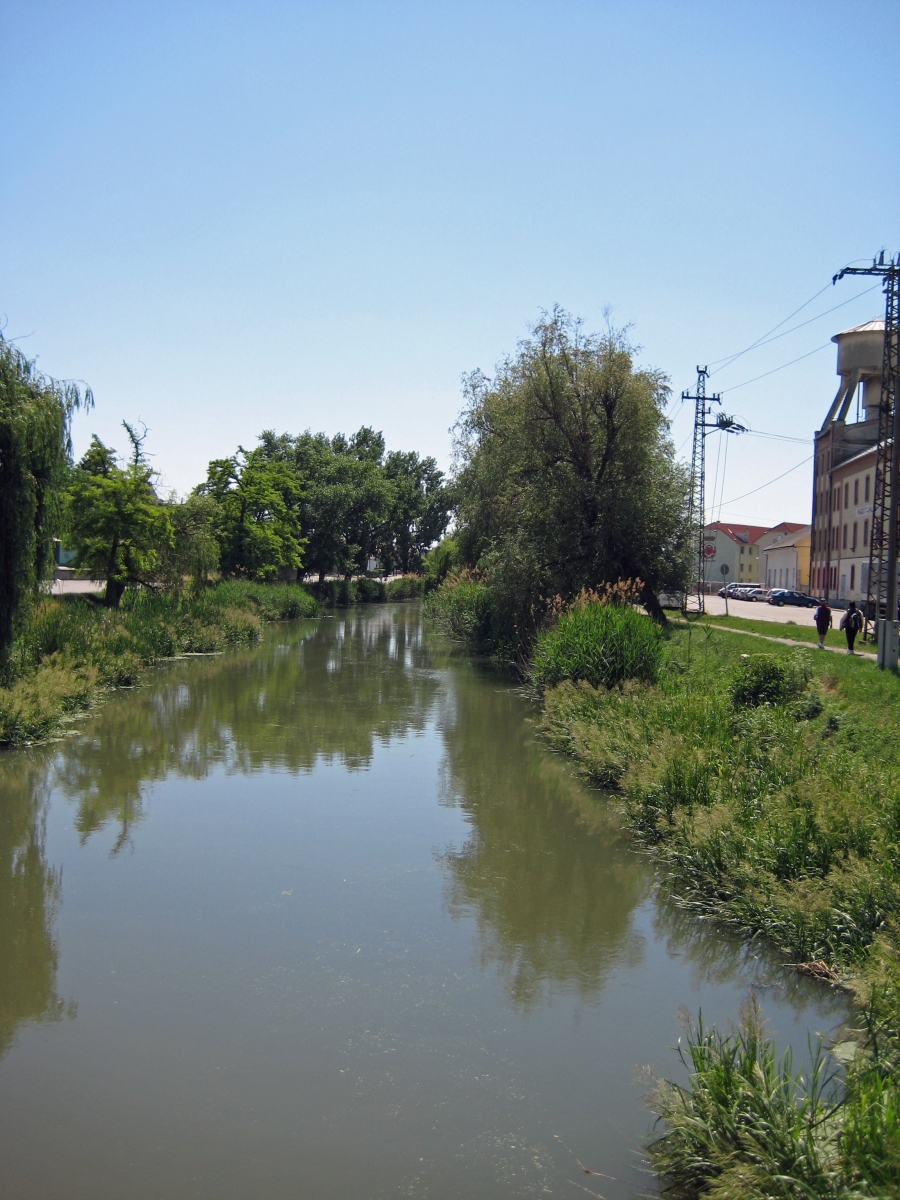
x: 854, y: 540
x: 865, y: 533
x: 844, y: 539
x: 867, y: 489
x: 846, y: 495
x: 855, y: 494
x: 852, y: 577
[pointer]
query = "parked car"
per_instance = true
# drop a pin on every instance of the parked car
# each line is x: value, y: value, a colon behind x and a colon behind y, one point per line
x: 757, y: 593
x: 729, y: 591
x: 783, y: 596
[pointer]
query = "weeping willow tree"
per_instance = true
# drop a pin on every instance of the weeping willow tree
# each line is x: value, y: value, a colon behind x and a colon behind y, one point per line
x: 35, y: 453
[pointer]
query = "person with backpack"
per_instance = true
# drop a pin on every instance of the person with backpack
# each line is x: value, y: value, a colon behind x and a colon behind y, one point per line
x: 851, y: 623
x: 822, y: 618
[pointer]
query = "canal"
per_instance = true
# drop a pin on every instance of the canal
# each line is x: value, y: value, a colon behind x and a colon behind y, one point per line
x: 324, y: 920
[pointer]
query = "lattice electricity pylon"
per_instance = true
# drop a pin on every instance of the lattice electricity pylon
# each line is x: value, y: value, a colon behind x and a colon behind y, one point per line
x: 697, y: 507
x: 881, y: 587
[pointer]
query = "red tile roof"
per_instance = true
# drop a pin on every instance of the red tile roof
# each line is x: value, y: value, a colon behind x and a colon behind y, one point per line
x: 739, y: 533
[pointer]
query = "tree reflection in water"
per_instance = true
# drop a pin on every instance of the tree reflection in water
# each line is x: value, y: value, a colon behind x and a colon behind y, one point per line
x: 315, y: 692
x: 546, y: 871
x: 29, y: 895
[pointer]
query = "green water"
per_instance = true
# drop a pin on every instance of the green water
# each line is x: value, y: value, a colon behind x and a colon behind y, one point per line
x: 324, y: 919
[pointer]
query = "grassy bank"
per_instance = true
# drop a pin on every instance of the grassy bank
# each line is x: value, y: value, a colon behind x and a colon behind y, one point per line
x: 72, y: 649
x: 767, y: 786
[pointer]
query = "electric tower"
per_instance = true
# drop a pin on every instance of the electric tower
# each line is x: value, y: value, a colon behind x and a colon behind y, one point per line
x: 697, y: 507
x: 881, y: 593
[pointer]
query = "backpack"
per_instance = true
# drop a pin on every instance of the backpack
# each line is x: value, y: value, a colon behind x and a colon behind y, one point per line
x: 856, y: 621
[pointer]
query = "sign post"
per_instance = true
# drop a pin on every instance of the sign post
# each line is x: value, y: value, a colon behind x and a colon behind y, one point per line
x: 725, y: 570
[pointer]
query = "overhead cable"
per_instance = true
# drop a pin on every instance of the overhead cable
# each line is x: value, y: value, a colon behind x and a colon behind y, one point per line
x: 817, y: 350
x: 796, y: 467
x: 793, y: 329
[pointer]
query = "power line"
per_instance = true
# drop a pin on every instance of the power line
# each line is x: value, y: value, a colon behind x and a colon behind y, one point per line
x: 778, y: 437
x: 817, y: 350
x: 797, y: 467
x: 806, y: 304
x: 753, y: 345
x: 767, y: 341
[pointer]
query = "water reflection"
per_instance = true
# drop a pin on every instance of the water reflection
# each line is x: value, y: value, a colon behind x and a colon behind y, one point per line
x: 545, y: 871
x: 29, y: 895
x: 316, y: 692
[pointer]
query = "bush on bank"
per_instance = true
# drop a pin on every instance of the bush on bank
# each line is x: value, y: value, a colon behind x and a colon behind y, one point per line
x: 603, y: 644
x: 70, y: 648
x: 343, y: 593
x: 768, y: 787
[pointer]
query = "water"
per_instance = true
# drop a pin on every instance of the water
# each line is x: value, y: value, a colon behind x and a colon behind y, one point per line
x: 325, y: 920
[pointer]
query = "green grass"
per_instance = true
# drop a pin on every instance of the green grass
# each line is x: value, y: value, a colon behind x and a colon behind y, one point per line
x: 71, y: 649
x: 768, y: 787
x: 775, y: 629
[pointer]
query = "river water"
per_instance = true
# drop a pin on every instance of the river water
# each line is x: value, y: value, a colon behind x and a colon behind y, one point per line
x: 325, y: 920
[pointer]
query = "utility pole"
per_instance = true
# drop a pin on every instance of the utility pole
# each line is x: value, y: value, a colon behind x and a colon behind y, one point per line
x: 697, y: 508
x: 881, y: 593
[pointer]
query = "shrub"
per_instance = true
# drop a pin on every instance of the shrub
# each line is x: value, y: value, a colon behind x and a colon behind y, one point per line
x: 462, y: 607
x: 764, y: 679
x: 603, y: 644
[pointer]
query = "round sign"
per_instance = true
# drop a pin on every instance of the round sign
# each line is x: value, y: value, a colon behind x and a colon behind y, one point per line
x: 725, y: 568
x: 709, y: 551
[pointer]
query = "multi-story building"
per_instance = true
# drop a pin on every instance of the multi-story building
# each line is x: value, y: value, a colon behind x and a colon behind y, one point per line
x: 844, y: 469
x: 785, y: 552
x: 737, y: 547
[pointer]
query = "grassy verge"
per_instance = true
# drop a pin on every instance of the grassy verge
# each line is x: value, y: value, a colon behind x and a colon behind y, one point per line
x: 71, y: 649
x: 767, y: 785
x: 797, y: 633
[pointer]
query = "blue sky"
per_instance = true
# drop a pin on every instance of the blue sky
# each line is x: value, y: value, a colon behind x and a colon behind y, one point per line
x: 232, y: 217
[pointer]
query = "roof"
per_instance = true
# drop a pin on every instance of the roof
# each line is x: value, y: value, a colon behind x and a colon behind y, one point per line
x: 875, y: 326
x: 789, y: 545
x: 857, y: 458
x: 738, y: 533
x: 789, y: 526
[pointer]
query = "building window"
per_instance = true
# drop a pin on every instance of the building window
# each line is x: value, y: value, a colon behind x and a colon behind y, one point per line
x: 855, y: 494
x: 852, y: 576
x: 867, y: 489
x: 854, y: 540
x: 865, y: 533
x: 846, y: 495
x: 844, y: 540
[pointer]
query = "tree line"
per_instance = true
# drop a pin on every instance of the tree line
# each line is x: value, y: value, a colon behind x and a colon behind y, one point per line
x: 292, y: 504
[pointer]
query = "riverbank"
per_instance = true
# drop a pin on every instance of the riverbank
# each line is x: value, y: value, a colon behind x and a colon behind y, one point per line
x: 72, y: 650
x: 767, y: 787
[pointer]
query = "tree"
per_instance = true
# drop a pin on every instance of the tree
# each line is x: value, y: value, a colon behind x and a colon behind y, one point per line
x: 117, y: 523
x: 566, y: 473
x: 35, y: 456
x: 419, y: 509
x: 194, y: 551
x: 258, y: 523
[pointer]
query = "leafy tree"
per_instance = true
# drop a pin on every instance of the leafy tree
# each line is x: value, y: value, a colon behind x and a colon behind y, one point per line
x: 258, y: 498
x: 117, y: 523
x: 567, y: 476
x: 194, y: 551
x: 35, y: 456
x: 419, y: 509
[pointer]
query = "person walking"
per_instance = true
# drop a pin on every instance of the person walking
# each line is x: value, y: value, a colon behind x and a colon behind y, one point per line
x: 822, y: 618
x: 851, y: 623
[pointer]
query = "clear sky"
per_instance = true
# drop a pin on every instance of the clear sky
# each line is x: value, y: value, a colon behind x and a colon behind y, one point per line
x: 228, y: 217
